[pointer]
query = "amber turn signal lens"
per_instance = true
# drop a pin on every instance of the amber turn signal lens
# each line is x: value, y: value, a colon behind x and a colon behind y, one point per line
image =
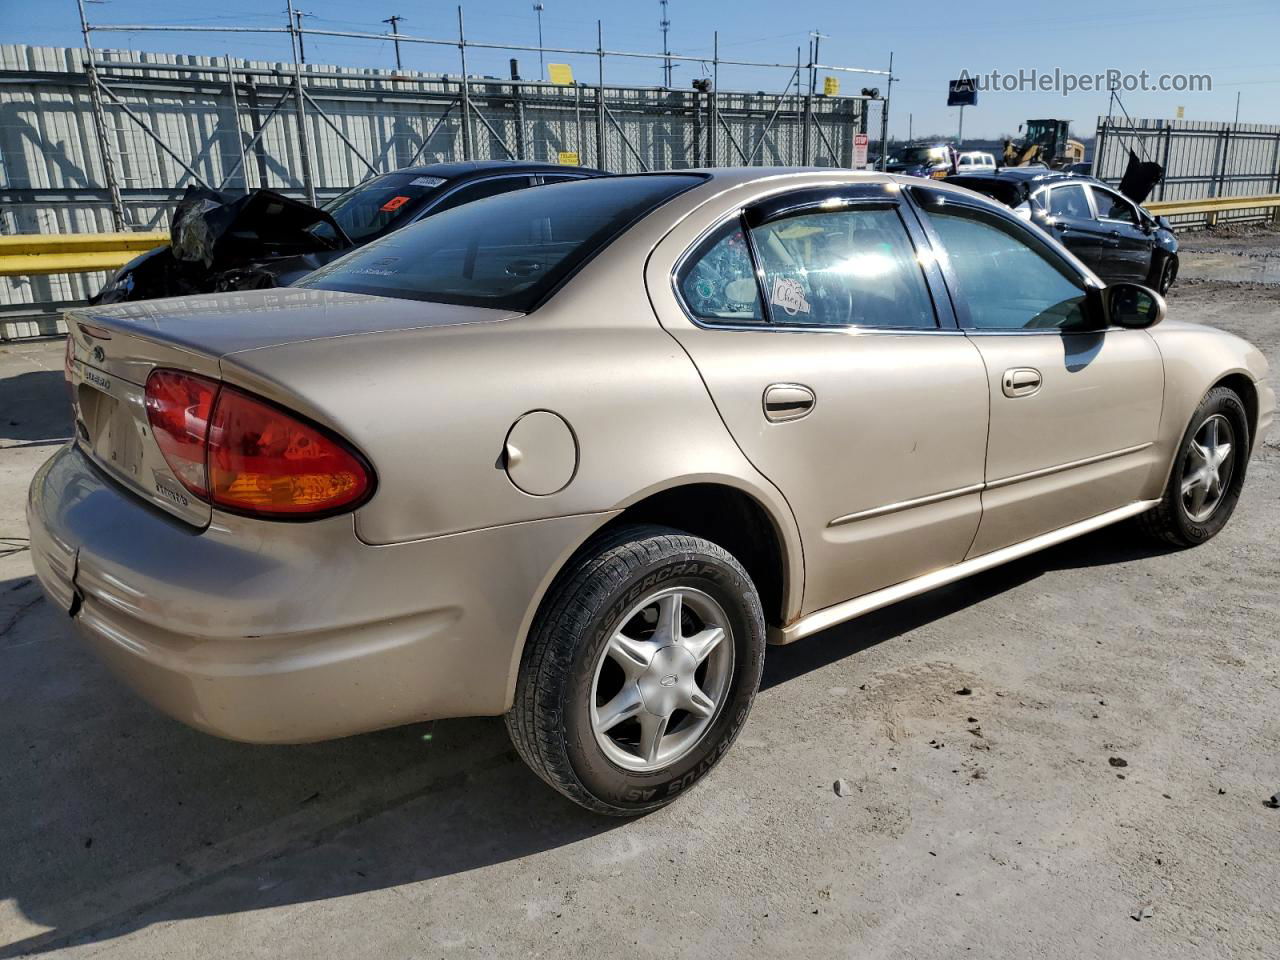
x: 264, y: 461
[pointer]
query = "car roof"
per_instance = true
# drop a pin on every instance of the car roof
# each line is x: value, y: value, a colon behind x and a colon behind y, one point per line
x: 476, y: 168
x: 1040, y: 174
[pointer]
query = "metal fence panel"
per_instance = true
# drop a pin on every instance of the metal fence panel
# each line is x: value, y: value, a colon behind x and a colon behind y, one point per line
x: 356, y: 121
x: 1201, y: 159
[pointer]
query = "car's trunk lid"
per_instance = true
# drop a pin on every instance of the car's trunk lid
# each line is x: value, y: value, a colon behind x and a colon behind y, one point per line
x: 116, y: 348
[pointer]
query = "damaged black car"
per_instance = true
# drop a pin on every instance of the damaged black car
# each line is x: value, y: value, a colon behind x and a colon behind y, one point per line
x: 265, y: 239
x: 1106, y: 227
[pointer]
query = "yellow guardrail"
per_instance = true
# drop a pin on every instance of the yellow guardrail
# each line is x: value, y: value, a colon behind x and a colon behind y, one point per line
x: 30, y: 254
x: 1211, y: 205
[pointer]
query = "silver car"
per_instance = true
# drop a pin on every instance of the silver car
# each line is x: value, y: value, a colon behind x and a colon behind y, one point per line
x: 574, y: 454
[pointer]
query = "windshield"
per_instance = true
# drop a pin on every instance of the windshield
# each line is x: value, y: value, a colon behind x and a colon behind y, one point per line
x: 1042, y: 131
x: 506, y: 252
x: 377, y: 205
x: 921, y: 155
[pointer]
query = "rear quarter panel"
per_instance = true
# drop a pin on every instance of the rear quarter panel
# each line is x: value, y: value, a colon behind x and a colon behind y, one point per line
x: 431, y: 409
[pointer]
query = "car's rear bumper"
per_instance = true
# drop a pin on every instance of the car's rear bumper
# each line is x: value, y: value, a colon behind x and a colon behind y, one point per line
x: 288, y: 632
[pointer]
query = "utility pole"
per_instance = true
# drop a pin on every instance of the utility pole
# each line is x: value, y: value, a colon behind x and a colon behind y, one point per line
x: 910, y: 119
x: 300, y: 110
x: 100, y: 125
x: 665, y: 24
x: 1237, y: 106
x: 884, y: 118
x: 813, y: 66
x: 302, y: 50
x: 542, y: 67
x: 394, y: 19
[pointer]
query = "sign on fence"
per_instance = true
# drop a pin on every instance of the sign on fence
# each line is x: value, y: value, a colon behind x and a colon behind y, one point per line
x: 831, y: 86
x: 561, y: 73
x: 859, y: 151
x: 569, y: 158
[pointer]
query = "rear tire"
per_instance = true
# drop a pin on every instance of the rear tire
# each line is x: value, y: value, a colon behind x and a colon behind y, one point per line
x: 1205, y: 482
x: 647, y: 621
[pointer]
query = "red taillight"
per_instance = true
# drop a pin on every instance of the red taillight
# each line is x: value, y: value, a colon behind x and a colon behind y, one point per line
x: 246, y: 455
x: 178, y: 408
x: 262, y: 460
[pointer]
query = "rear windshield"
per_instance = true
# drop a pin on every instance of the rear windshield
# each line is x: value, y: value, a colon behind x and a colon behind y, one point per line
x: 1008, y: 192
x: 373, y: 207
x: 506, y: 252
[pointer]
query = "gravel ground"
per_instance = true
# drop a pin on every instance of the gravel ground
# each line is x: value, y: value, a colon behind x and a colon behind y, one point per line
x: 989, y: 824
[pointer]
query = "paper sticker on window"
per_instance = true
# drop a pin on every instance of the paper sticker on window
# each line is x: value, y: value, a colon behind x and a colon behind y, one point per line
x: 395, y: 203
x: 789, y: 295
x: 426, y: 181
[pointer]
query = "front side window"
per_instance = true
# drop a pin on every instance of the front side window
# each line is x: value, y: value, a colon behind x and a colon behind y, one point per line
x: 1112, y: 206
x: 1006, y: 282
x: 507, y: 252
x: 852, y: 267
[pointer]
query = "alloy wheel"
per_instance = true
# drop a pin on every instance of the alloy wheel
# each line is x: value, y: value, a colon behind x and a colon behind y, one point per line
x: 661, y: 678
x: 1206, y: 470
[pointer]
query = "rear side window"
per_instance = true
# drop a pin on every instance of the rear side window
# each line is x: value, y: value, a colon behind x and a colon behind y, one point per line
x: 1006, y: 283
x: 506, y: 252
x: 854, y: 267
x: 1069, y: 201
x: 719, y: 284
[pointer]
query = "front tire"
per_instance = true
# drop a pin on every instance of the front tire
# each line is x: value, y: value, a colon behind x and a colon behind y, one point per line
x: 1207, y: 475
x: 639, y: 671
x: 1164, y: 271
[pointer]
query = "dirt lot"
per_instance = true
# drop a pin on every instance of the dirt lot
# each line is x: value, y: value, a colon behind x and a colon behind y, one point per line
x: 986, y: 825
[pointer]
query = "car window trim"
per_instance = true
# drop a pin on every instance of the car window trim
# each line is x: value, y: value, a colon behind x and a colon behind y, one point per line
x: 964, y: 318
x: 941, y: 309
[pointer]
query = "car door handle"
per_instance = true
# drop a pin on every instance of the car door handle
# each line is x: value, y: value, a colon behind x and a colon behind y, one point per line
x: 1021, y: 381
x: 788, y: 401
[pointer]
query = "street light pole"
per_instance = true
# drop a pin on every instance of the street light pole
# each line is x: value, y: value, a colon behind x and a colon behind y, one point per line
x: 542, y: 67
x: 394, y: 19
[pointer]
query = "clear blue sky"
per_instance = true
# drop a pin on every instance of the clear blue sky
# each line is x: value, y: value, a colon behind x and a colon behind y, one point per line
x: 1233, y: 40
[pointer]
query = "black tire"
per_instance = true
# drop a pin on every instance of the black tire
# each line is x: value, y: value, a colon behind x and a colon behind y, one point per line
x: 1170, y: 521
x: 550, y: 720
x: 1164, y: 270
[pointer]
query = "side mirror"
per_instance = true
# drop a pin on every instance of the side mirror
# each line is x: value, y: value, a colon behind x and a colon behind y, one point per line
x: 1164, y: 222
x: 1133, y: 306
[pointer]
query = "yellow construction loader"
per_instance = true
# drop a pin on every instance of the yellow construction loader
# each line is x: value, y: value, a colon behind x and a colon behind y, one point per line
x: 1046, y: 142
